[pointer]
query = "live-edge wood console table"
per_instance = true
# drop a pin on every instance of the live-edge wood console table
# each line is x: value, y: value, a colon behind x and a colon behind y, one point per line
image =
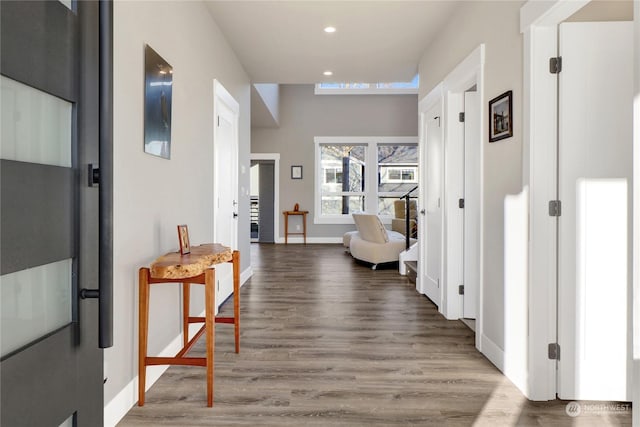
x: 196, y: 268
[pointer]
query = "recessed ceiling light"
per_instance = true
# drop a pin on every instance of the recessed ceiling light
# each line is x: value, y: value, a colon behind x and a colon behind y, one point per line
x: 328, y: 73
x: 330, y: 29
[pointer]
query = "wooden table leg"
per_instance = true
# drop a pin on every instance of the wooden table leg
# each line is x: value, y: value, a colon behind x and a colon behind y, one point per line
x: 186, y: 295
x: 304, y: 227
x: 143, y: 330
x: 210, y: 328
x: 286, y: 228
x: 236, y: 297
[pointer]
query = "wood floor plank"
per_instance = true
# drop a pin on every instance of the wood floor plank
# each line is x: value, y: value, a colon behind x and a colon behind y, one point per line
x: 328, y: 342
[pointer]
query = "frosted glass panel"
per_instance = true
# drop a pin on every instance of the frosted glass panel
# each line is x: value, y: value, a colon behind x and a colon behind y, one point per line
x: 67, y: 3
x: 34, y: 302
x: 35, y: 126
x: 68, y: 422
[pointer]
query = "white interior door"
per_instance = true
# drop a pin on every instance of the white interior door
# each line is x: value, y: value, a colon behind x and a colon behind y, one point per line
x: 226, y: 184
x: 595, y: 178
x: 431, y: 241
x: 471, y: 246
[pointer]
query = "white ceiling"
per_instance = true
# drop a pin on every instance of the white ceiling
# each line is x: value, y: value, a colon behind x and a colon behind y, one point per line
x: 375, y: 41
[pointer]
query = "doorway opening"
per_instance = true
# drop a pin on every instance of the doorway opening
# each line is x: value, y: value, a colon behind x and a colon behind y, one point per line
x: 264, y: 197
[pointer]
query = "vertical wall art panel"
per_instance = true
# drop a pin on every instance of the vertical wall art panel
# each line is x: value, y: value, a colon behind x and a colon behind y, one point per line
x: 158, y: 75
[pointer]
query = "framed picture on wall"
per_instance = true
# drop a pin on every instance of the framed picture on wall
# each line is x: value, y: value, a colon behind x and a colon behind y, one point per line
x: 183, y: 238
x: 296, y: 172
x: 501, y: 117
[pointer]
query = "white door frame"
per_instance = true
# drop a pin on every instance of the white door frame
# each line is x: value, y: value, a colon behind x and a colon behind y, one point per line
x: 539, y: 25
x: 469, y: 73
x: 276, y: 191
x: 222, y: 96
x: 450, y: 93
x: 433, y: 99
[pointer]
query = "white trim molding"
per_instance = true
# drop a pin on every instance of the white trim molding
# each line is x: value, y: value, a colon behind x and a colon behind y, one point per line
x: 276, y: 190
x: 492, y: 351
x: 246, y: 275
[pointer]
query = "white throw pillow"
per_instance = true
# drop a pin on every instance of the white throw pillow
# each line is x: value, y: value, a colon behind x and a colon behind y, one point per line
x: 371, y: 228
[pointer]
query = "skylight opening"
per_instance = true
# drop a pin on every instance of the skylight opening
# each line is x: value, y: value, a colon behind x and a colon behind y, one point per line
x: 353, y: 88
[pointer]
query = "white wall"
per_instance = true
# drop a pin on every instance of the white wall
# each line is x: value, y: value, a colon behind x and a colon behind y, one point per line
x: 304, y: 115
x: 153, y: 195
x: 496, y: 24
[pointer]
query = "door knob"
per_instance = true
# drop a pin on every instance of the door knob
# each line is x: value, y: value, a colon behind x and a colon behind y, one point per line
x: 422, y: 211
x: 235, y: 215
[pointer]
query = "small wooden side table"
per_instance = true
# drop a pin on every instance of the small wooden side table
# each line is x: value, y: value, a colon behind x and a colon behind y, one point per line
x: 286, y: 225
x: 187, y: 269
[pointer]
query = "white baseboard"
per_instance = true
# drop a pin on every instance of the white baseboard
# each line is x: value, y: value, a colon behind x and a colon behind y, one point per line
x: 246, y: 275
x: 118, y: 407
x: 312, y: 240
x: 494, y: 353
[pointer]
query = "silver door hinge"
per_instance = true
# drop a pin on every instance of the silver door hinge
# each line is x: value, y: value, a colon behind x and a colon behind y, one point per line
x: 554, y: 351
x: 461, y: 117
x: 555, y: 208
x: 461, y: 290
x: 555, y: 65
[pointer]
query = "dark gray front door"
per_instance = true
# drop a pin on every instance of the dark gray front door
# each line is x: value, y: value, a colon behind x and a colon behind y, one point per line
x: 267, y: 195
x: 50, y: 364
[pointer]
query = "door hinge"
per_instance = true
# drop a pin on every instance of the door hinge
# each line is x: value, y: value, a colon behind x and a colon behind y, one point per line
x: 555, y: 208
x: 554, y: 351
x: 218, y: 121
x: 93, y: 175
x: 461, y: 117
x: 461, y: 290
x: 438, y: 282
x: 555, y: 65
x: 461, y: 203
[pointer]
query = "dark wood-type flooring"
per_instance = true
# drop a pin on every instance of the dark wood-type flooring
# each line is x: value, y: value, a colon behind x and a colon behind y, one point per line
x: 328, y: 342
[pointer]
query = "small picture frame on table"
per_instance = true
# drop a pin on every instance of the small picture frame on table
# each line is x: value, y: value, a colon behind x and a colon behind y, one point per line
x: 501, y: 117
x: 296, y: 172
x: 183, y: 238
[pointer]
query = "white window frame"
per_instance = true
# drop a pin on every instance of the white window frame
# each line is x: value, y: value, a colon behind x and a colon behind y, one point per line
x: 371, y: 173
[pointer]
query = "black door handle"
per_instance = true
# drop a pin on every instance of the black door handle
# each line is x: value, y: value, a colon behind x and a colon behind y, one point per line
x: 235, y: 215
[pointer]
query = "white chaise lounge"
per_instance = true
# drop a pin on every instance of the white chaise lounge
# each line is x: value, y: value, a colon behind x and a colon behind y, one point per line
x: 373, y: 243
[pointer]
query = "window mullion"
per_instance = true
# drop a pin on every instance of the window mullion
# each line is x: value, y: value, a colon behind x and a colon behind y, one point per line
x: 371, y: 183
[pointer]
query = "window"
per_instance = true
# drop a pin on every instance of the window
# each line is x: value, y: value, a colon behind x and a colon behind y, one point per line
x: 362, y: 175
x: 393, y: 88
x: 332, y: 175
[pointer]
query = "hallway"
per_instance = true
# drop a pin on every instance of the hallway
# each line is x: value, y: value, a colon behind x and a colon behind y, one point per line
x: 325, y: 342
